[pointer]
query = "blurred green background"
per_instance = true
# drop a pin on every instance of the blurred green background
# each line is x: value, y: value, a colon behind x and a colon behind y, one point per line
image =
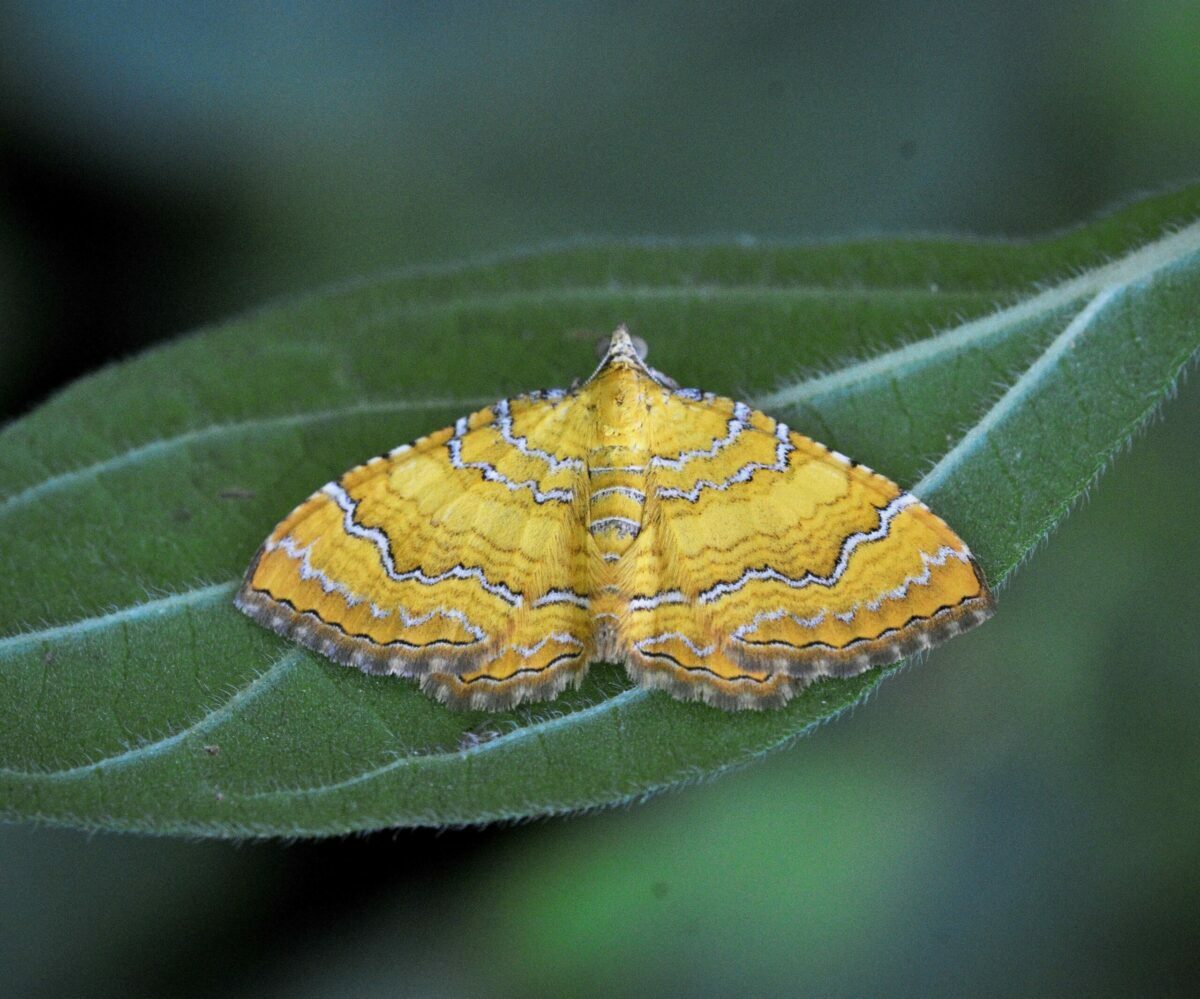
x: 1017, y: 816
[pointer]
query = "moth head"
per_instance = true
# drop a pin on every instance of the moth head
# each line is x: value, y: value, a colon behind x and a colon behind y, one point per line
x: 627, y: 350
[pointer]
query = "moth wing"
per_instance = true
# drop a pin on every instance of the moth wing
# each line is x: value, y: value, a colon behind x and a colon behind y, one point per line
x: 767, y: 561
x: 460, y: 559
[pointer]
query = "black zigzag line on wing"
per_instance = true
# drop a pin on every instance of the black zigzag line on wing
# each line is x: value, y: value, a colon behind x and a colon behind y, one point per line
x: 313, y: 612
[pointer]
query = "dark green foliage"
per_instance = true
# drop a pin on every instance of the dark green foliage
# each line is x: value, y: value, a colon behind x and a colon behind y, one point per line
x: 133, y: 696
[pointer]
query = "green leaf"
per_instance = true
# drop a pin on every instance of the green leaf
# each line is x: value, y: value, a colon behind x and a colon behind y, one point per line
x: 996, y: 379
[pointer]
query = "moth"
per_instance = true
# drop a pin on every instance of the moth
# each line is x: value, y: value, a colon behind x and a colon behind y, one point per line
x: 713, y: 551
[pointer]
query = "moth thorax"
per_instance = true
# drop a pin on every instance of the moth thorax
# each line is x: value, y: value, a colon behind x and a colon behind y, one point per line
x: 617, y: 458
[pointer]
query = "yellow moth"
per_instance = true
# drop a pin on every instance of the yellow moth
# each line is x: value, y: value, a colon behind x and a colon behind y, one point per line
x: 713, y: 551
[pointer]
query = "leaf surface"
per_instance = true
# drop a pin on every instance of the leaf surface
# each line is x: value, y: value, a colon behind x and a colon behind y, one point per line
x: 997, y: 380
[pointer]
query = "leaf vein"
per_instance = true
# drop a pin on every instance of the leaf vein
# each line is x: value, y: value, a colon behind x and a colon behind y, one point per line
x: 205, y: 723
x: 537, y: 730
x: 145, y: 452
x: 1135, y: 266
x: 22, y: 640
x: 1017, y: 393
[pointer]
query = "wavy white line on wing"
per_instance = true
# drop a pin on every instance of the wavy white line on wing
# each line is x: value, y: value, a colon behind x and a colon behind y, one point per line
x: 901, y: 502
x: 733, y: 430
x: 289, y: 546
x: 765, y: 617
x: 701, y: 652
x: 744, y: 474
x: 504, y: 423
x: 939, y: 558
x: 492, y: 474
x: 384, y: 547
x: 562, y: 638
